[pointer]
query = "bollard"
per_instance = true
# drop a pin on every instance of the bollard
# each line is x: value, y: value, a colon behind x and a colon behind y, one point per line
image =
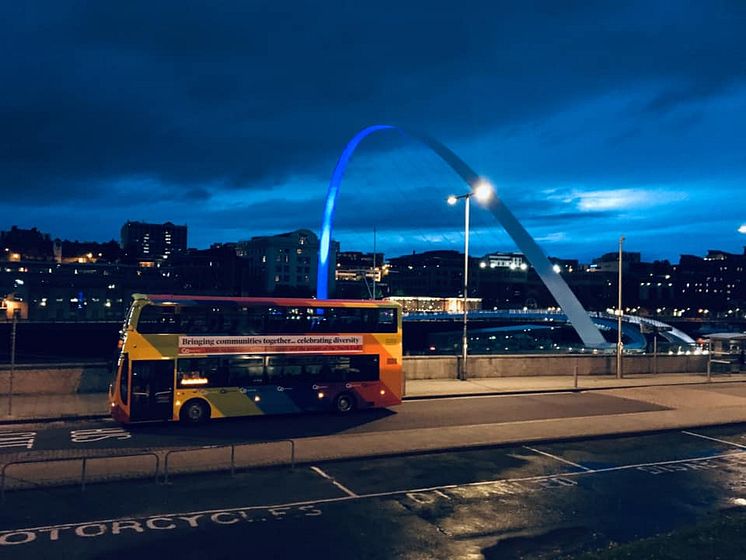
x: 575, y: 373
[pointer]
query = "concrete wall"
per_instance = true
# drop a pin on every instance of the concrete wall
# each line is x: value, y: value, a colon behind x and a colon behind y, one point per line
x: 95, y: 378
x: 57, y: 379
x: 446, y: 367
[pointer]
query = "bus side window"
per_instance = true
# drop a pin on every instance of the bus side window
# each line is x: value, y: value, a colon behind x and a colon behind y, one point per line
x: 194, y: 320
x: 251, y: 320
x: 245, y: 372
x: 200, y: 372
x: 335, y: 368
x: 158, y: 319
x: 364, y: 368
x: 386, y: 321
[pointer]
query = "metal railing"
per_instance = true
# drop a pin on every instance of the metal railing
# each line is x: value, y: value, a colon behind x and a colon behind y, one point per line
x: 83, y: 466
x: 232, y: 448
x: 85, y: 460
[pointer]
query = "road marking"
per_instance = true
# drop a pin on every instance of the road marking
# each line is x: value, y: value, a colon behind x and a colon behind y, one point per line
x: 714, y: 439
x: 538, y: 478
x: 556, y: 458
x: 98, y: 434
x: 159, y: 523
x: 331, y: 479
x: 17, y: 439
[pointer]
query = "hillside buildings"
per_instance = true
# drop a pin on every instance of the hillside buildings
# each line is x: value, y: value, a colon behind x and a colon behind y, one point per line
x: 63, y: 280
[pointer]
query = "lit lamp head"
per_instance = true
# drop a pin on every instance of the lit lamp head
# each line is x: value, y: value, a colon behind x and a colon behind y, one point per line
x: 483, y: 191
x: 452, y: 199
x: 742, y: 229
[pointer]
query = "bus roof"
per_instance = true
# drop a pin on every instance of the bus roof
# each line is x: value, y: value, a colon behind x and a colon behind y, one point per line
x: 307, y: 302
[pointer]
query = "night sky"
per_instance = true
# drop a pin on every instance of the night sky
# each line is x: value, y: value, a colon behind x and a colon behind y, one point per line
x: 592, y: 119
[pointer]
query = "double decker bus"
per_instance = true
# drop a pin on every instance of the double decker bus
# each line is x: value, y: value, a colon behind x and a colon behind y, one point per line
x: 192, y: 358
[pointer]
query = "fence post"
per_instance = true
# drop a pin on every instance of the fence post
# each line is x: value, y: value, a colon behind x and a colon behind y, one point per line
x: 165, y: 468
x: 575, y: 373
x: 709, y: 360
x: 233, y: 462
x: 12, y: 362
x: 82, y: 476
x: 292, y: 454
x: 2, y: 484
x: 157, y: 467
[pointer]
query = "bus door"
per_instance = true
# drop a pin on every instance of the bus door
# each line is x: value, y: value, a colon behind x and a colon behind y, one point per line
x: 152, y: 390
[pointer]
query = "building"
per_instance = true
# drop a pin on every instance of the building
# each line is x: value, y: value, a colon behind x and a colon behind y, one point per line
x: 712, y: 284
x: 423, y: 304
x: 285, y: 264
x: 18, y: 244
x: 214, y: 271
x: 356, y: 273
x: 152, y: 243
x: 81, y: 252
x: 609, y: 262
x: 432, y: 273
x: 512, y: 261
x: 79, y: 292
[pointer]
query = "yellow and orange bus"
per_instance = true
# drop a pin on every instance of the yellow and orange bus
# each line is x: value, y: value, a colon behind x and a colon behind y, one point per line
x: 192, y: 358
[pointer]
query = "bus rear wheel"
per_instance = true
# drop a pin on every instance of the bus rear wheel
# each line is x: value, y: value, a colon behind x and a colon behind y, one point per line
x: 344, y: 403
x: 194, y: 412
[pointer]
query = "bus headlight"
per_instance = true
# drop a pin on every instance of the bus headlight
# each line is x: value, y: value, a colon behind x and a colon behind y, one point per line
x: 257, y: 398
x: 321, y: 395
x: 383, y: 392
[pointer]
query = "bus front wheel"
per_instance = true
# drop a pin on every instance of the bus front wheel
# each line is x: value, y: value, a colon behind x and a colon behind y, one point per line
x: 194, y: 412
x: 344, y: 403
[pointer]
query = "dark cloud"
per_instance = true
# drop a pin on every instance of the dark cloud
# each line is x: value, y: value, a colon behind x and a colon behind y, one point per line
x: 241, y: 91
x: 175, y: 103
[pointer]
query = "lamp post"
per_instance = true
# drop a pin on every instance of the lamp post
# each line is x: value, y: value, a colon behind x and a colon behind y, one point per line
x: 482, y: 191
x: 619, y: 373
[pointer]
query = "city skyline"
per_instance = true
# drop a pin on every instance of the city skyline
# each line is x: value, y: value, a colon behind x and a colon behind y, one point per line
x: 592, y: 121
x: 352, y: 249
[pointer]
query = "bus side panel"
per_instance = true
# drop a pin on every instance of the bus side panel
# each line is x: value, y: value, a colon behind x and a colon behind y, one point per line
x: 388, y: 347
x: 224, y: 401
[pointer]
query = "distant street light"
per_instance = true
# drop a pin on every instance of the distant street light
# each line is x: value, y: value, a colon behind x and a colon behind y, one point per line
x: 742, y: 229
x: 482, y: 191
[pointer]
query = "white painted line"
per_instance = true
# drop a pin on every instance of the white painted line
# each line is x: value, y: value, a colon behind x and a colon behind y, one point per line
x: 560, y: 459
x: 660, y: 463
x: 728, y: 456
x: 419, y: 399
x: 714, y: 439
x: 331, y: 479
x: 17, y: 439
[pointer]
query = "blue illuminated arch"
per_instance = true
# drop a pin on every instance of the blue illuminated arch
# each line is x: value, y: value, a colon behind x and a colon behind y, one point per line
x: 576, y: 314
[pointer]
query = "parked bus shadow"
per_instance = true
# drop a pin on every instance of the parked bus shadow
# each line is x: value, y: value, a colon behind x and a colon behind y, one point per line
x: 262, y: 428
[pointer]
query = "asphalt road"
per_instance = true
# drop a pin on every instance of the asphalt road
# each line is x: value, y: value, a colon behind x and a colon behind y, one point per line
x: 456, y: 411
x: 530, y: 502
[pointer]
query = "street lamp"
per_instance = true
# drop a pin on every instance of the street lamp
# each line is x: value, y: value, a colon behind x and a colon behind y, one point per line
x: 482, y: 191
x: 619, y: 343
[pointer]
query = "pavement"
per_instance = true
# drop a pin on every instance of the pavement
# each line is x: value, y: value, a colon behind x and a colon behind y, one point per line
x: 53, y: 408
x: 682, y: 401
